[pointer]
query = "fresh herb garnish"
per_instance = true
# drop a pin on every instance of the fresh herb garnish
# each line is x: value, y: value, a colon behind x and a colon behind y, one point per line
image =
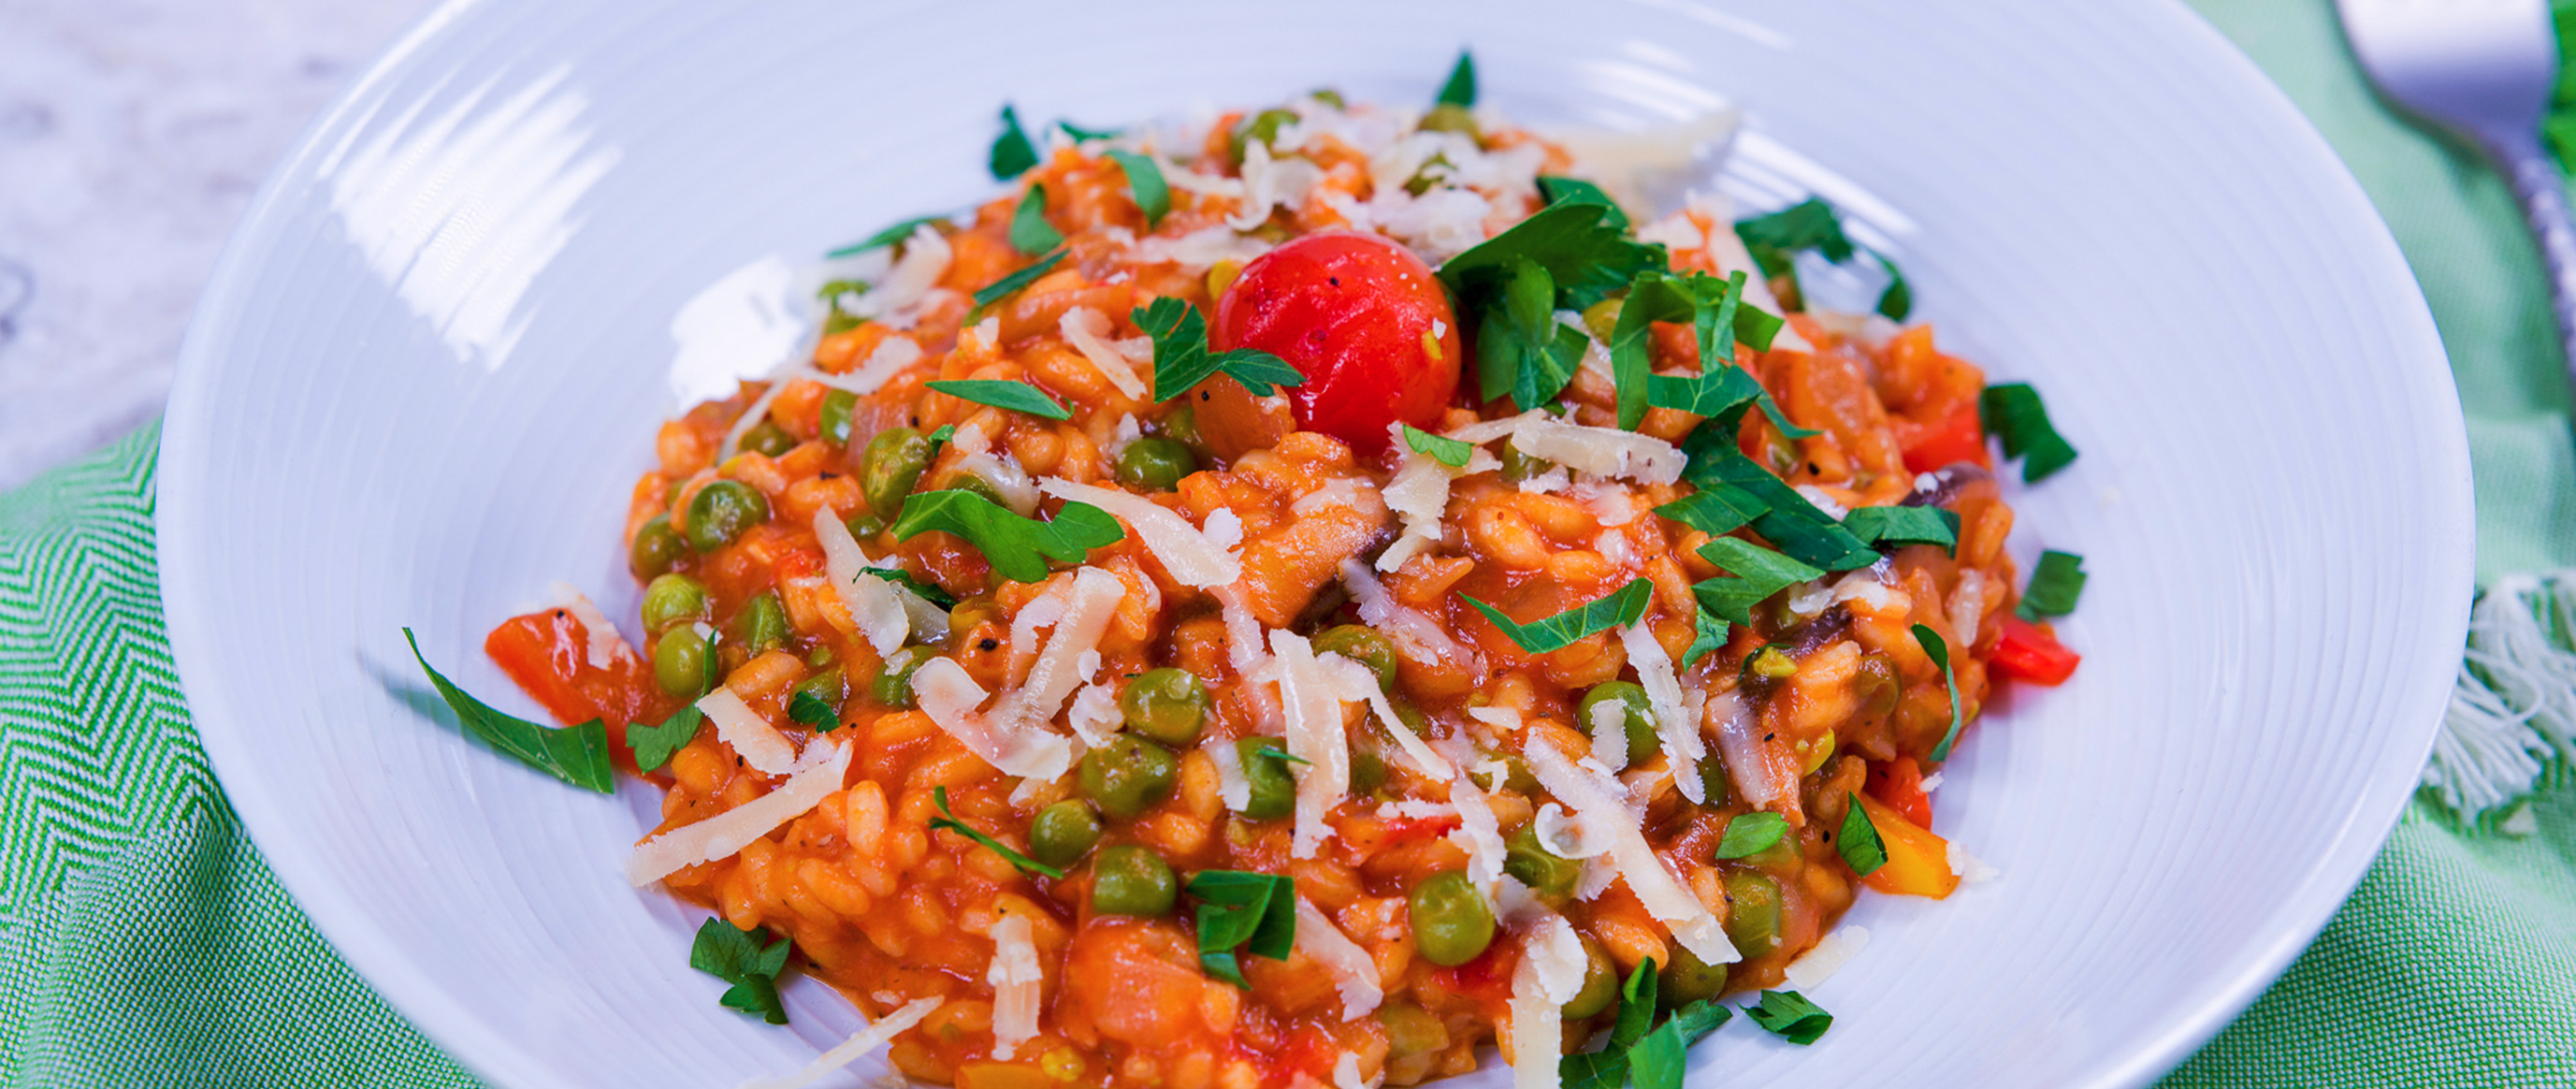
x: 1585, y: 255
x: 1734, y: 492
x: 1752, y: 573
x: 1461, y: 88
x: 1008, y: 394
x: 577, y: 755
x: 1708, y: 637
x: 1858, y: 841
x: 1282, y: 756
x: 887, y: 237
x: 814, y: 711
x: 749, y: 960
x: 1017, y: 547
x: 1939, y: 652
x: 1257, y: 911
x: 1013, y: 155
x: 1617, y: 609
x: 1716, y: 310
x: 1813, y: 224
x: 945, y: 433
x: 927, y: 591
x: 1080, y: 133
x: 1182, y: 359
x: 1659, y: 1060
x: 1030, y: 232
x: 653, y: 745
x: 1650, y: 1059
x: 1884, y: 526
x: 1521, y: 349
x: 1010, y: 285
x: 1898, y: 300
x: 2055, y: 584
x: 1749, y: 834
x: 1145, y: 183
x: 1562, y: 190
x: 2015, y: 414
x: 1789, y: 1016
x: 1441, y: 448
x: 947, y: 819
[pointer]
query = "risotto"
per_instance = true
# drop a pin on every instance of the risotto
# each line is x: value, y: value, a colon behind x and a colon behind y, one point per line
x: 1299, y: 601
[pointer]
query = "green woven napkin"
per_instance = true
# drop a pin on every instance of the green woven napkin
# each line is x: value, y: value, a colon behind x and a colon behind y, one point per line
x: 144, y: 943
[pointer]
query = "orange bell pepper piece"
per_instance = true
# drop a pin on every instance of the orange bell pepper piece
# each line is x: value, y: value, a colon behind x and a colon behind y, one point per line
x: 1918, y: 862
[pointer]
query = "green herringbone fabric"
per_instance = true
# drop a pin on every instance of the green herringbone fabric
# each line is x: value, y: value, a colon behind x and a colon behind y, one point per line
x: 142, y: 941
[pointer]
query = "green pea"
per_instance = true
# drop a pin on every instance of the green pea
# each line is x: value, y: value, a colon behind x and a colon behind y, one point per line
x: 1131, y: 880
x: 970, y: 482
x: 1128, y: 775
x: 1689, y: 979
x: 838, y: 406
x: 1411, y: 1030
x: 1712, y: 780
x: 892, y: 686
x: 1262, y: 129
x: 1155, y: 464
x: 1368, y: 771
x: 673, y: 599
x: 768, y: 439
x: 657, y: 546
x: 1365, y: 645
x: 826, y: 686
x: 865, y: 525
x: 1768, y: 662
x: 1452, y: 924
x: 723, y: 511
x: 762, y: 623
x: 1516, y: 773
x: 1518, y: 466
x: 1752, y: 912
x: 1637, y: 719
x: 1182, y: 426
x: 890, y: 466
x: 1600, y: 984
x: 1451, y: 117
x: 1274, y: 791
x: 1063, y: 832
x: 1552, y: 878
x: 1165, y: 704
x: 683, y: 663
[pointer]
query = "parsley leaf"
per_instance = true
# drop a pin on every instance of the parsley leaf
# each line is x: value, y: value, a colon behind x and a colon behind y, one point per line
x: 1441, y: 448
x: 1080, y: 133
x: 653, y: 745
x: 1708, y: 638
x: 1659, y: 1060
x: 1939, y: 652
x: 1807, y: 225
x: 1898, y: 300
x: 748, y: 960
x: 1012, y: 395
x: 1586, y: 256
x: 947, y: 819
x: 1030, y: 232
x: 1461, y: 88
x: 1145, y: 183
x: 1608, y: 1067
x: 2015, y: 414
x: 1738, y: 488
x: 887, y: 237
x: 1562, y: 190
x: 1716, y: 309
x: 927, y: 591
x: 814, y: 711
x: 1010, y: 285
x: 1518, y: 338
x: 1858, y: 841
x: 1013, y: 155
x: 1182, y: 359
x: 577, y: 755
x: 1789, y: 1016
x: 1749, y: 834
x: 1017, y: 547
x: 2054, y: 585
x: 1617, y: 609
x: 1881, y: 526
x: 1257, y: 911
x: 1754, y: 573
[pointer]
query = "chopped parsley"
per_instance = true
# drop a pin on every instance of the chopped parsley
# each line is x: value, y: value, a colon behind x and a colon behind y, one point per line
x: 1182, y: 359
x: 1708, y: 637
x: 1789, y: 1016
x: 1009, y: 395
x: 2015, y: 414
x: 1521, y: 349
x: 1898, y: 300
x: 814, y: 711
x: 947, y: 819
x: 577, y: 754
x: 1858, y: 841
x: 1013, y: 155
x: 1010, y: 285
x: 1740, y: 493
x: 1749, y: 834
x: 1617, y: 609
x: 1715, y: 308
x: 1884, y: 526
x: 1753, y: 573
x: 1145, y: 183
x: 653, y: 745
x: 1587, y: 256
x: 1562, y: 190
x: 926, y: 591
x: 1650, y: 1058
x: 749, y: 960
x: 1812, y: 224
x: 1447, y: 451
x: 887, y: 237
x: 1939, y: 652
x: 1081, y: 134
x: 1461, y: 88
x: 1017, y: 547
x: 2054, y: 585
x: 1254, y: 911
x: 1030, y: 232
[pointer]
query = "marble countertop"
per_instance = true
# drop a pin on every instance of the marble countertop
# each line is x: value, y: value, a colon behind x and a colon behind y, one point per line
x: 132, y: 135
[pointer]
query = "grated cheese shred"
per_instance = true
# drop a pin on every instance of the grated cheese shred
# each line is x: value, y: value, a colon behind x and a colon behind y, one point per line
x: 817, y: 776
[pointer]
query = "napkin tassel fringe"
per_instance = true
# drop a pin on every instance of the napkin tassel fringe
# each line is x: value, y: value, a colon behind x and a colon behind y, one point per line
x: 2513, y: 706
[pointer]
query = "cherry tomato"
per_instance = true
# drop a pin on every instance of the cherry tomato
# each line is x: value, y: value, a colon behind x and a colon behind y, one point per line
x: 2029, y: 652
x: 1361, y: 317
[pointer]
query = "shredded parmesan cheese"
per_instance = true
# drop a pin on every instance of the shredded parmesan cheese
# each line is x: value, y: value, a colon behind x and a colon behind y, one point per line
x: 1564, y: 836
x: 1610, y: 733
x: 848, y: 1051
x: 605, y: 641
x: 896, y: 299
x: 1232, y: 787
x: 1184, y: 550
x: 1549, y: 975
x: 1313, y: 717
x: 1016, y: 980
x: 816, y: 777
x: 1094, y: 714
x: 1815, y: 965
x: 1603, y: 805
x: 1052, y: 677
x: 891, y: 356
x: 1415, y: 634
x: 1353, y: 683
x: 872, y: 601
x: 1599, y: 451
x: 1673, y: 722
x: 752, y: 737
x: 949, y: 696
x: 1087, y: 330
x: 1479, y: 833
x: 1969, y: 868
x: 1354, y: 973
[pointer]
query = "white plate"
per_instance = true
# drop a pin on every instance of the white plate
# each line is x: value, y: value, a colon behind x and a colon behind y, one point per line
x: 431, y: 364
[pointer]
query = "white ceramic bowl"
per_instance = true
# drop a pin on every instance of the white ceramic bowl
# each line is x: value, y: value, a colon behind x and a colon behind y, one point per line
x: 432, y: 360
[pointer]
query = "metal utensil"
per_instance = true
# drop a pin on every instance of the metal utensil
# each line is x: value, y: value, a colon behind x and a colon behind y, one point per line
x: 2482, y: 70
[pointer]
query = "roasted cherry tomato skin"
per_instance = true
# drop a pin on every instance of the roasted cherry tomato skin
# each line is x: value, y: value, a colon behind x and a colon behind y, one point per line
x: 1362, y: 318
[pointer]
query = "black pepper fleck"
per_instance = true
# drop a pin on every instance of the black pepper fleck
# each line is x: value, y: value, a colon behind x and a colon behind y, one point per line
x: 988, y: 643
